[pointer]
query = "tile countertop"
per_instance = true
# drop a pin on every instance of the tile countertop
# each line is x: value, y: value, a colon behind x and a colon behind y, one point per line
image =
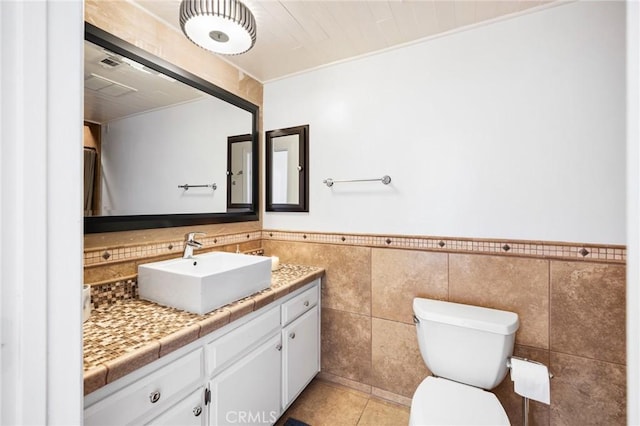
x: 123, y: 337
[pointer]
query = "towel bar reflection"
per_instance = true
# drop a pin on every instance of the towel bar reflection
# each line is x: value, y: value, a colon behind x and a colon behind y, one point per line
x: 386, y: 180
x: 186, y: 186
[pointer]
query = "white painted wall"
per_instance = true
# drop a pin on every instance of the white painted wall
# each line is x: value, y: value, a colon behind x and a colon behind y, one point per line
x: 191, y: 137
x: 633, y: 213
x: 510, y: 130
x: 41, y: 46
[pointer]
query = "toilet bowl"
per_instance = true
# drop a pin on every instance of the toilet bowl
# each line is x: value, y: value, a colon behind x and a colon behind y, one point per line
x: 466, y: 348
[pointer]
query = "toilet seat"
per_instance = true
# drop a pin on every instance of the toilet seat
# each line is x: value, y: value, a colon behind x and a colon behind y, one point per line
x: 439, y: 401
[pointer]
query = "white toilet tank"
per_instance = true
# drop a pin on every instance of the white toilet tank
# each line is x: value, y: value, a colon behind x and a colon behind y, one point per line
x: 464, y: 343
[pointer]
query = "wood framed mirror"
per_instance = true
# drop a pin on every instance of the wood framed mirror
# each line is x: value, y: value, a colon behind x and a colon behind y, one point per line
x: 287, y: 169
x: 184, y: 160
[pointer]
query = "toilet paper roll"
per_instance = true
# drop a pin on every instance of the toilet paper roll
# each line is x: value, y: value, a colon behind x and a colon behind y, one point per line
x: 531, y: 380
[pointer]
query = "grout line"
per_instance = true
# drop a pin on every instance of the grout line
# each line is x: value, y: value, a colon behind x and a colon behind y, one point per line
x: 586, y: 357
x: 363, y: 410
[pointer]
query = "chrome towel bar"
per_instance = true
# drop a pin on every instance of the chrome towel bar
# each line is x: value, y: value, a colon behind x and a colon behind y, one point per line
x: 386, y: 180
x: 186, y: 186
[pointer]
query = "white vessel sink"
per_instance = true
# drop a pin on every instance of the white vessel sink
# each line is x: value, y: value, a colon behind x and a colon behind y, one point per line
x: 204, y: 282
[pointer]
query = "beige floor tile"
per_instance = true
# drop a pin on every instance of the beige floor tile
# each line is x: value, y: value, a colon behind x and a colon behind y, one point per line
x: 327, y: 404
x: 383, y: 413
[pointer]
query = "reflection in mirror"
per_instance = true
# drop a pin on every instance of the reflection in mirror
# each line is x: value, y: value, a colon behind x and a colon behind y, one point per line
x: 287, y: 155
x: 239, y: 171
x: 159, y: 139
x: 284, y: 180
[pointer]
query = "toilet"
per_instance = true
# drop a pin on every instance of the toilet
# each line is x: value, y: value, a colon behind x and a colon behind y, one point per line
x: 466, y: 348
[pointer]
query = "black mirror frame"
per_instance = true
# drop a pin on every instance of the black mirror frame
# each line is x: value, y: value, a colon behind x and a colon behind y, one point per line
x: 230, y: 141
x: 95, y: 224
x: 303, y: 169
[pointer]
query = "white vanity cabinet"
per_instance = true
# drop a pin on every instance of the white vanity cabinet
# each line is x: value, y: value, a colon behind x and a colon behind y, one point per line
x: 300, y: 343
x: 300, y: 356
x: 247, y: 372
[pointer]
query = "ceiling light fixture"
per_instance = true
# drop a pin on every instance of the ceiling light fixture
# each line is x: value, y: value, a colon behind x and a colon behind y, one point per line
x: 221, y: 26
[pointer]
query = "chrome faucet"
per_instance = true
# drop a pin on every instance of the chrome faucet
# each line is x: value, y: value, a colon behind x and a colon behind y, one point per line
x: 190, y: 243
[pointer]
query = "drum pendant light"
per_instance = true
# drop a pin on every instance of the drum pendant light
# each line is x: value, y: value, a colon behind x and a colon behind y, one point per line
x: 222, y: 26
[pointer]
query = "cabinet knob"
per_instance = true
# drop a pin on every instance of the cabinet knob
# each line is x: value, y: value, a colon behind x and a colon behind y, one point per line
x: 306, y: 303
x: 279, y: 347
x: 292, y: 335
x: 197, y: 411
x: 154, y: 397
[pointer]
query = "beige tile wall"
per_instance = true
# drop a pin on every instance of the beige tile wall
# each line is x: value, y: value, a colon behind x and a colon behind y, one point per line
x: 571, y: 311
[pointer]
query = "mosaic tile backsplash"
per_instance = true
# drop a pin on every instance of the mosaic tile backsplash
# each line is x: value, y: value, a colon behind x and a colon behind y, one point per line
x: 107, y: 294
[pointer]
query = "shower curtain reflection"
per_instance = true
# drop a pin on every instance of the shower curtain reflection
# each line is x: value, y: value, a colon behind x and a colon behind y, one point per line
x: 90, y: 156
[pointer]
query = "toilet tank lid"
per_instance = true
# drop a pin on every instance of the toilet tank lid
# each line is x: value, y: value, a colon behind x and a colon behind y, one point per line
x: 475, y: 317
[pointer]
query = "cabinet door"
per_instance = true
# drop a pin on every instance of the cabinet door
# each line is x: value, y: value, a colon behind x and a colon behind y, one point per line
x: 188, y: 412
x: 301, y: 354
x: 248, y: 392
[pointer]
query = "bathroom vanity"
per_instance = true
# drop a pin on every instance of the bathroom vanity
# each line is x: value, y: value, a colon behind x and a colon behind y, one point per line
x: 245, y: 372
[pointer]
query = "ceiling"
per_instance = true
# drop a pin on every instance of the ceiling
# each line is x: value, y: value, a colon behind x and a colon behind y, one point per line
x: 298, y: 35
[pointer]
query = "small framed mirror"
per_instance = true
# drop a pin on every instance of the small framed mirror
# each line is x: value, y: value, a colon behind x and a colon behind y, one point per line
x: 287, y: 169
x: 239, y: 171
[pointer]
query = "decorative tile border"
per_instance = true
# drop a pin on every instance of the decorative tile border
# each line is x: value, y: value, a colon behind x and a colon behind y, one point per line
x: 108, y: 255
x: 538, y: 249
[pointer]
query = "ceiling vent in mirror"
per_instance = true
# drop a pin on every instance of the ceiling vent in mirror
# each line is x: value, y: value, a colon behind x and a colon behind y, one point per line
x: 110, y: 62
x: 221, y: 26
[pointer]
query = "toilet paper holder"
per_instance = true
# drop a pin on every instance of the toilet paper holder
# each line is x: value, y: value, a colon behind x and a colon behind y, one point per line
x: 528, y: 360
x: 525, y: 401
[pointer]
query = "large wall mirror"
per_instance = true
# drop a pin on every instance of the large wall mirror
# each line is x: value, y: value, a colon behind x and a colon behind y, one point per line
x: 287, y: 169
x: 157, y: 143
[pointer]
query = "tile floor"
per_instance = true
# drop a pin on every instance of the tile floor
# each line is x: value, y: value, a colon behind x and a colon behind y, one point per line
x: 324, y: 403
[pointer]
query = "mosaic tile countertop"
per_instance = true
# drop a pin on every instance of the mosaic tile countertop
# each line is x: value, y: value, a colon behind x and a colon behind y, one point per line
x: 123, y: 337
